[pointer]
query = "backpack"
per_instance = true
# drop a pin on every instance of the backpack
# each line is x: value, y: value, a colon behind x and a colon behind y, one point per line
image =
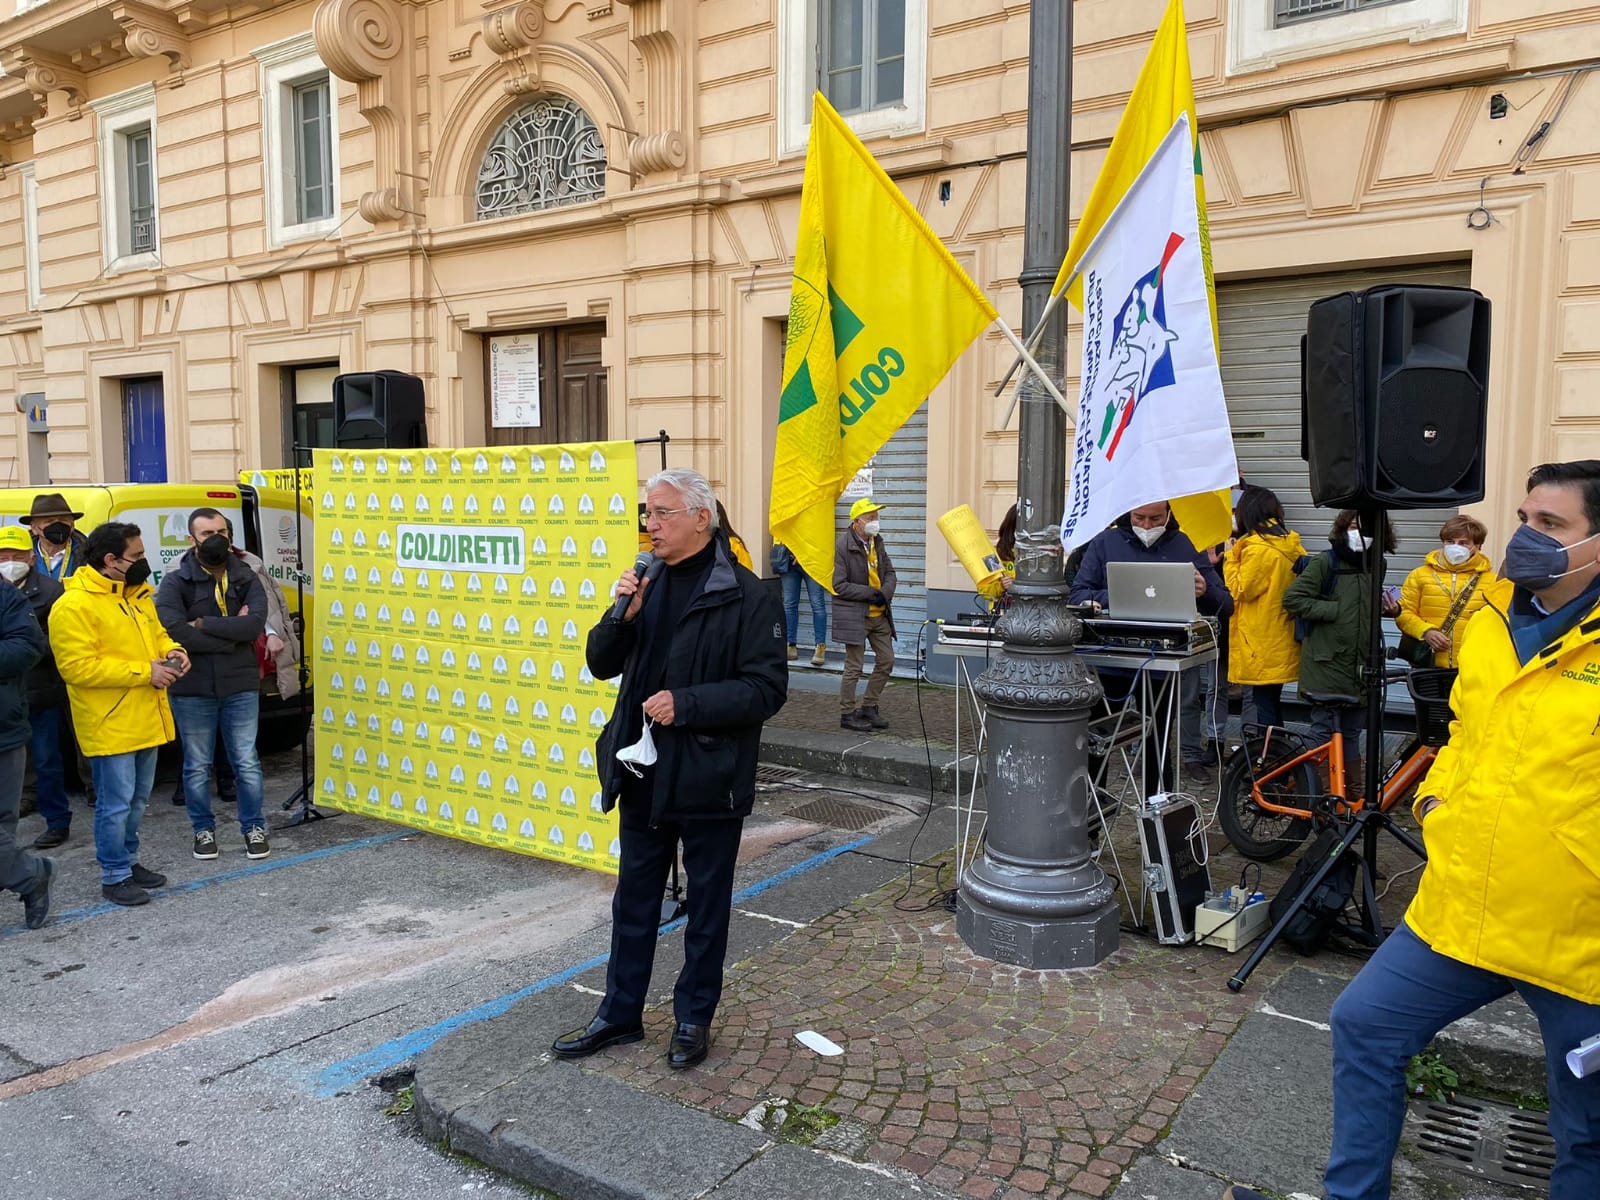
x: 1302, y: 627
x: 1324, y: 908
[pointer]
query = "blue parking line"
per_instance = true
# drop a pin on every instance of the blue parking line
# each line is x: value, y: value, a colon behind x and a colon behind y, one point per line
x: 350, y: 1071
x: 72, y: 915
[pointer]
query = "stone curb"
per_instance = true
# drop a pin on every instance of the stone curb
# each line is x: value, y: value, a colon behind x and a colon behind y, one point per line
x: 866, y: 759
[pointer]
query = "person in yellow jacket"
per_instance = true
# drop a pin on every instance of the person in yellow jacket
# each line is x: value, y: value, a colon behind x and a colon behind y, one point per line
x: 1510, y: 896
x: 117, y: 662
x: 1258, y: 568
x: 1457, y: 571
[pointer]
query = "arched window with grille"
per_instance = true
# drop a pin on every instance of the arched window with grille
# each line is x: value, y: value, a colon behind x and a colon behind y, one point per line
x: 547, y: 154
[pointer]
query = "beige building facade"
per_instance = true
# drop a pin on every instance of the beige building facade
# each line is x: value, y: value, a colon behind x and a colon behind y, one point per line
x: 207, y: 211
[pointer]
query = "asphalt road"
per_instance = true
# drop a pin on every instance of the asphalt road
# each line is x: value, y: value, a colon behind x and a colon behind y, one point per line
x: 219, y: 1042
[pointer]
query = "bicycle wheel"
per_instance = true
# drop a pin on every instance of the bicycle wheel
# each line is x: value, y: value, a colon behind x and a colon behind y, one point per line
x: 1253, y: 831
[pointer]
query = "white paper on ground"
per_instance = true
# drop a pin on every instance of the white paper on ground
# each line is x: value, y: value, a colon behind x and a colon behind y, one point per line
x: 812, y: 1040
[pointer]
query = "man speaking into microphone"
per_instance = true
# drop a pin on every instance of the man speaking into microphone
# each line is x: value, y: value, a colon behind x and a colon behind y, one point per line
x: 699, y: 643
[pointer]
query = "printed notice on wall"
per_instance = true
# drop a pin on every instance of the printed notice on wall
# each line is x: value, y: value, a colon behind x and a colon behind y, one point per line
x: 514, y: 381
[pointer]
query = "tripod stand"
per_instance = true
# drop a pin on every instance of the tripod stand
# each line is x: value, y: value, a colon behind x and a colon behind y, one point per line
x: 1364, y: 825
x: 302, y: 795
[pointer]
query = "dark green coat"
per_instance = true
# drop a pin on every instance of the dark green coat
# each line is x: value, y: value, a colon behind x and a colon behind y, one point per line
x: 1334, y: 653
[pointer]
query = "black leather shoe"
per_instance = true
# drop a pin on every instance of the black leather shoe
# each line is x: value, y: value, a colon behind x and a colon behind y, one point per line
x: 689, y: 1045
x: 596, y: 1035
x: 50, y: 839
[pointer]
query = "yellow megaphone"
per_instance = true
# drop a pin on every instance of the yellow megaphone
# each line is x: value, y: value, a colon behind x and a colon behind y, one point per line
x: 972, y: 545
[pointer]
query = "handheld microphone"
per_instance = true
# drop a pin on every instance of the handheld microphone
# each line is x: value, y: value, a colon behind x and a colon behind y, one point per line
x: 645, y: 566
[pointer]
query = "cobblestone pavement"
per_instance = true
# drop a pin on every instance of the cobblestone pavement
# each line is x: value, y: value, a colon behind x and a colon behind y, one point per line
x: 979, y: 1077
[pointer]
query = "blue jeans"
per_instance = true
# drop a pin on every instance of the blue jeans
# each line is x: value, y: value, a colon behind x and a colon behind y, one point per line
x: 235, y: 717
x: 122, y: 785
x: 49, y: 782
x: 815, y: 593
x: 1403, y: 996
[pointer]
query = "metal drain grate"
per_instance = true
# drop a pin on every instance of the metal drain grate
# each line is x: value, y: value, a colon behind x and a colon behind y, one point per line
x: 775, y: 775
x: 1486, y: 1140
x: 839, y: 813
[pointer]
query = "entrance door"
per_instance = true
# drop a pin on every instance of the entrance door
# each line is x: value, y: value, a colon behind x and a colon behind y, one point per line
x: 572, y: 387
x: 144, y: 429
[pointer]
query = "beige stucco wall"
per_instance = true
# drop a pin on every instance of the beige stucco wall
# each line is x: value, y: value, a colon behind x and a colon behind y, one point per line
x: 688, y: 265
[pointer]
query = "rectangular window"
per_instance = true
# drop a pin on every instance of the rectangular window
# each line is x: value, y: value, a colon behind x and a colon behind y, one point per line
x: 1288, y: 12
x: 140, y: 195
x: 862, y: 59
x: 313, y: 150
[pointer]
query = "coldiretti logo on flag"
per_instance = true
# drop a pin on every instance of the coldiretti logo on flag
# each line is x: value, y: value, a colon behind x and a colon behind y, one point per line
x: 878, y: 312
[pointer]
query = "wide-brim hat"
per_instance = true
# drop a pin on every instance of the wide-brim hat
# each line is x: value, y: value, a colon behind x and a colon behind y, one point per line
x: 51, y: 504
x: 864, y: 506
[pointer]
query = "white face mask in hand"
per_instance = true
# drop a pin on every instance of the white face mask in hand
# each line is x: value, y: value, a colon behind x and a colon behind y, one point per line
x: 642, y: 752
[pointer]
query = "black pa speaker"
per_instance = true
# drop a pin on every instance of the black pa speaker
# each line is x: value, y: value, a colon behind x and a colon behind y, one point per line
x: 1394, y: 397
x: 374, y: 410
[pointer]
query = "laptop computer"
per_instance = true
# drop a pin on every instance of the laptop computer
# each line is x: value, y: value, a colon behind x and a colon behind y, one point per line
x: 1153, y: 591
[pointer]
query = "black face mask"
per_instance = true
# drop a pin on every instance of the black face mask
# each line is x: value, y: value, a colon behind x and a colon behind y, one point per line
x: 213, y: 551
x: 57, y: 533
x: 136, y: 573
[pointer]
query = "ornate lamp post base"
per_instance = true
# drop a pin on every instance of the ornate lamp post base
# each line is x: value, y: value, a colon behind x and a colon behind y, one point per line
x: 1035, y: 896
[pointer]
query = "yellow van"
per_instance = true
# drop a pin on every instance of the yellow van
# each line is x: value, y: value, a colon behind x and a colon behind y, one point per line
x: 161, y: 511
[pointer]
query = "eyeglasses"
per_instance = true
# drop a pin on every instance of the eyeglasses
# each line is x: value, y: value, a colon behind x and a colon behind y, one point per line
x: 659, y: 514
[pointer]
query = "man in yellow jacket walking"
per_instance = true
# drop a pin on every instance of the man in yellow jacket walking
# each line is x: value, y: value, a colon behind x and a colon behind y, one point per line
x: 1510, y: 897
x: 117, y: 662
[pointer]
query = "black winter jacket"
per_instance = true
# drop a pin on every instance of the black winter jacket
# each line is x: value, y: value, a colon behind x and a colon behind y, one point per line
x: 728, y: 672
x: 45, y: 689
x: 21, y: 645
x: 222, y: 649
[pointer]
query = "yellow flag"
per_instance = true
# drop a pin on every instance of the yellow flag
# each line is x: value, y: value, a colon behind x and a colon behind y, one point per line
x: 878, y: 312
x: 1164, y: 89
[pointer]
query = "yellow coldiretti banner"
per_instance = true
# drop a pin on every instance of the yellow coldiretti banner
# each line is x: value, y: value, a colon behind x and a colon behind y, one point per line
x: 1164, y: 89
x: 456, y: 589
x: 878, y: 312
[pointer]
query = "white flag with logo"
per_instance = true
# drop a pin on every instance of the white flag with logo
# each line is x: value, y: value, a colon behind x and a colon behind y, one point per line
x: 1152, y: 423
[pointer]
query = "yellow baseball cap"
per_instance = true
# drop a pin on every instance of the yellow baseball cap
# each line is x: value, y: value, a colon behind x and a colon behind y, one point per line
x: 864, y: 506
x: 15, y: 537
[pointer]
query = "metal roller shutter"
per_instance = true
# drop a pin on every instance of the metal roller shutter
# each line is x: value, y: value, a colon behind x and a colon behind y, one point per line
x: 1261, y: 322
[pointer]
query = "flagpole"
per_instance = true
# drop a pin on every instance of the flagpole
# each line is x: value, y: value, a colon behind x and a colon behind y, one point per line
x: 1038, y: 373
x: 1088, y: 253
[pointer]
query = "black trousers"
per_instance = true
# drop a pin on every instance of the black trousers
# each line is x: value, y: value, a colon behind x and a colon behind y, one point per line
x: 710, y: 853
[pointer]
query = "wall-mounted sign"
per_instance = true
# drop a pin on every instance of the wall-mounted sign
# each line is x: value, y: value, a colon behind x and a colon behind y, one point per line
x: 514, y: 381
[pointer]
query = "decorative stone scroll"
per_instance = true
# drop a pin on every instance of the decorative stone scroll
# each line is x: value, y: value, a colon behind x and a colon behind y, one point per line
x: 510, y: 33
x: 149, y: 33
x: 360, y: 41
x: 43, y: 73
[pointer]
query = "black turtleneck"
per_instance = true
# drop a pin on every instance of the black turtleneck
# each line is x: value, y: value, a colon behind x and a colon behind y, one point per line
x: 680, y: 583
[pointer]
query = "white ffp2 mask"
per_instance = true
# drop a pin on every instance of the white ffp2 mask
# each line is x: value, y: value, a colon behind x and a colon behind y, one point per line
x: 642, y: 752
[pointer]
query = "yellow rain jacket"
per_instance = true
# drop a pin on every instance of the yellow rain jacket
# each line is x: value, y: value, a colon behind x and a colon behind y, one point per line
x: 1261, y: 645
x: 1430, y: 591
x: 1512, y: 883
x: 104, y: 641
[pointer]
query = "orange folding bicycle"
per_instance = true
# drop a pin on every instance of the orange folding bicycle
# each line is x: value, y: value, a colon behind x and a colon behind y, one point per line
x: 1272, y: 789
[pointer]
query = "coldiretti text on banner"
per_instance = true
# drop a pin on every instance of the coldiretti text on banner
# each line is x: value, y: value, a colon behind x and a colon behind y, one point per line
x: 500, y: 550
x: 455, y: 591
